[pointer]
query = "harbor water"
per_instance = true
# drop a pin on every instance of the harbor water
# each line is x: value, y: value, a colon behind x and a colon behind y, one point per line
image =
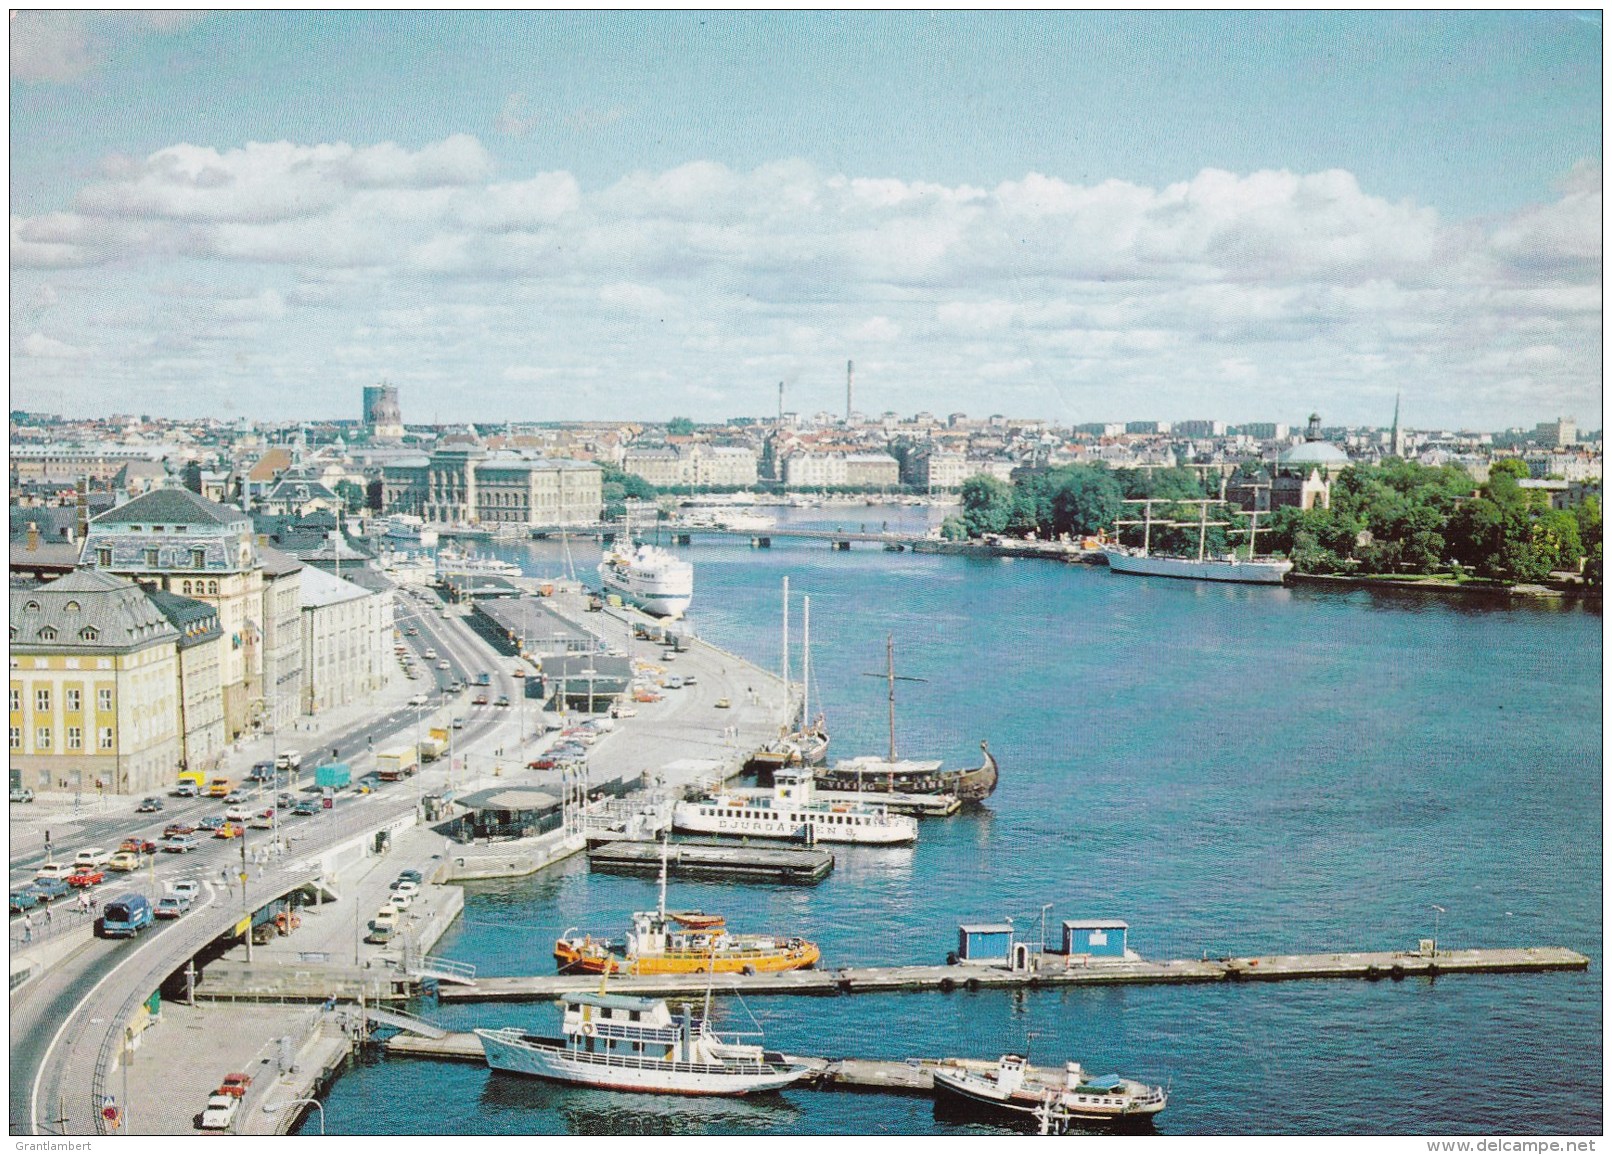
x: 1232, y: 770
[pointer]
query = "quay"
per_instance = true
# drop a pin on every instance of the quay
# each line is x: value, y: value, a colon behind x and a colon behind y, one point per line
x: 708, y: 860
x: 1047, y: 970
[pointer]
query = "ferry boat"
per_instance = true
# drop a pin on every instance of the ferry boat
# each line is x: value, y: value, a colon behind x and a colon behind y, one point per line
x: 906, y: 775
x: 789, y: 810
x: 648, y: 577
x: 1016, y: 1091
x: 623, y: 1043
x: 451, y: 560
x: 1223, y: 568
x: 407, y: 528
x: 664, y: 942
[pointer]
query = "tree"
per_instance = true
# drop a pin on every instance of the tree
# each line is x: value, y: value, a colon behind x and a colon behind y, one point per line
x: 1084, y: 500
x: 987, y: 504
x: 679, y: 427
x: 351, y: 494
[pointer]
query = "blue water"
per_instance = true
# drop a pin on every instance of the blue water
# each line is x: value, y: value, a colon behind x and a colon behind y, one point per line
x: 1230, y: 770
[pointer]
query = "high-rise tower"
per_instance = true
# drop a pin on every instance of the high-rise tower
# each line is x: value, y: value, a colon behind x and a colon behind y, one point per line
x: 850, y: 391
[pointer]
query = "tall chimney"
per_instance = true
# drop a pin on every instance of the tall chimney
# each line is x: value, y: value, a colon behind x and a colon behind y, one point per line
x: 33, y: 536
x: 780, y: 403
x: 850, y: 391
x: 83, y: 508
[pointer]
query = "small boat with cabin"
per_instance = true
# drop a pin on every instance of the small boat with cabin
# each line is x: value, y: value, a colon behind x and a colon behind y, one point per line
x: 1016, y: 1090
x: 622, y: 1043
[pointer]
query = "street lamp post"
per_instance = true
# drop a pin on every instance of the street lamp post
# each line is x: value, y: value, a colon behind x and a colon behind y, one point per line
x: 1438, y: 913
x: 274, y: 1108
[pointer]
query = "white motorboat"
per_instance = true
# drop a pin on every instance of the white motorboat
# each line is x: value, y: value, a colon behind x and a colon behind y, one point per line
x: 624, y: 1043
x: 789, y: 810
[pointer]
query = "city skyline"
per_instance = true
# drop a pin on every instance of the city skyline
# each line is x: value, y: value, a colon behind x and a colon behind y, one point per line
x: 1077, y: 217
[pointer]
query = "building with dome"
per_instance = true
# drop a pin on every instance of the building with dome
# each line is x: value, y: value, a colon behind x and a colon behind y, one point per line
x: 1304, y: 474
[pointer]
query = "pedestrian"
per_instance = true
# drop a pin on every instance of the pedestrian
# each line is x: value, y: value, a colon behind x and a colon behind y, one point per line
x: 95, y: 905
x: 27, y: 928
x: 47, y: 913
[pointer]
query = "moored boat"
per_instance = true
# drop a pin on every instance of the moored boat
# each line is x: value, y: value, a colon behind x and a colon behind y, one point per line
x: 1015, y: 1090
x: 1143, y: 562
x: 648, y: 577
x: 790, y: 810
x: 623, y: 1043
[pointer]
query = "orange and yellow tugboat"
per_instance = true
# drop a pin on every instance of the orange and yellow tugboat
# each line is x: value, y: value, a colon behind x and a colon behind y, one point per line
x: 663, y: 942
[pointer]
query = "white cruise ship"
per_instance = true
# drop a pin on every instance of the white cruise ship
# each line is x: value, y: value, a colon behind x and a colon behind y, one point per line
x: 789, y: 810
x: 411, y: 530
x: 648, y: 577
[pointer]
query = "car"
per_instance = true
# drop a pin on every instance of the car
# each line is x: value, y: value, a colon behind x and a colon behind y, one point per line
x: 263, y: 819
x: 668, y: 655
x: 400, y: 902
x: 21, y: 794
x: 148, y: 806
x: 479, y: 700
x: 92, y: 856
x: 517, y: 672
x: 406, y: 886
x: 688, y: 679
x: 412, y: 632
x: 220, y: 1113
x: 228, y: 830
x: 236, y: 814
x: 623, y: 710
x: 419, y: 700
x: 288, y: 760
x: 180, y: 827
x: 410, y: 876
x: 544, y: 763
x: 723, y: 704
x: 430, y: 655
x: 86, y: 876
x: 386, y: 916
x: 235, y: 798
x: 673, y: 682
x: 49, y: 889
x: 503, y: 700
x: 211, y: 822
x: 647, y: 696
x: 178, y: 843
x: 305, y: 808
x: 138, y: 845
x: 58, y: 870
x: 444, y: 664
x: 23, y: 900
x: 124, y: 861
x: 235, y: 1084
x: 286, y: 801
x: 186, y: 790
x: 185, y: 888
x: 458, y: 723
x: 172, y: 906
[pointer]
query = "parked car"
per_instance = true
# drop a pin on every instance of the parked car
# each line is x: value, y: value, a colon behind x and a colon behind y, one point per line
x: 723, y: 704
x: 49, y: 889
x: 172, y: 905
x: 179, y: 843
x: 138, y: 845
x: 220, y: 1112
x: 544, y: 763
x: 23, y: 900
x: 410, y: 876
x: 688, y: 679
x: 405, y: 886
x: 400, y: 901
x: 21, y: 794
x: 148, y: 806
x: 228, y: 830
x: 86, y: 876
x: 180, y: 827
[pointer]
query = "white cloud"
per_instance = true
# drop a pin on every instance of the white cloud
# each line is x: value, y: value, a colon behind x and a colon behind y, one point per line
x: 62, y: 46
x: 39, y: 345
x: 1280, y: 283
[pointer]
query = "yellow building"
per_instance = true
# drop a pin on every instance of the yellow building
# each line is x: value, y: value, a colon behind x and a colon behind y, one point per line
x: 95, y: 687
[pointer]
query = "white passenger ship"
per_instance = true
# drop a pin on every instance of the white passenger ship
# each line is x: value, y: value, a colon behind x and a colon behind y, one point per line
x: 789, y: 810
x: 634, y: 1044
x: 648, y: 577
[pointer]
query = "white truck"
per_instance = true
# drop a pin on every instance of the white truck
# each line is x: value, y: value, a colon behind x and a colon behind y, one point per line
x: 397, y: 763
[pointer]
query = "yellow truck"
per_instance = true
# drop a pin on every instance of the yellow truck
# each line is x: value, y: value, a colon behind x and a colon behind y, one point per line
x: 396, y: 764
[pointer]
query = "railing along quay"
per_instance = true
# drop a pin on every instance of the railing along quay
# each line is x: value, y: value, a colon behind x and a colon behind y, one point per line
x: 1367, y: 965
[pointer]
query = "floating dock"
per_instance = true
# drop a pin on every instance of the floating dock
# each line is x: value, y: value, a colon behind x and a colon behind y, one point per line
x: 713, y: 860
x: 1047, y: 970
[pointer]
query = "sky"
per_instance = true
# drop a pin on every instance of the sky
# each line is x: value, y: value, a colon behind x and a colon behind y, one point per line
x: 615, y: 215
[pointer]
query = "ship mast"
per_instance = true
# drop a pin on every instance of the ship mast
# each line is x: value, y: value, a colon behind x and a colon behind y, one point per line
x: 891, y: 677
x: 805, y: 663
x: 786, y: 651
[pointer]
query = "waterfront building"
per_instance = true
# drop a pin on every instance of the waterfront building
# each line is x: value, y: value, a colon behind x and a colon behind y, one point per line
x: 95, y: 686
x: 179, y: 541
x: 693, y: 464
x: 462, y: 482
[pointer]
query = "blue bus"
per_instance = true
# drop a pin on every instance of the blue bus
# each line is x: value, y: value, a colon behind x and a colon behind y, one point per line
x: 126, y: 916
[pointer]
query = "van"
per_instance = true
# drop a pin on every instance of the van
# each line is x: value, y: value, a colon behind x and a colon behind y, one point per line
x: 219, y: 788
x: 288, y: 760
x: 126, y: 916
